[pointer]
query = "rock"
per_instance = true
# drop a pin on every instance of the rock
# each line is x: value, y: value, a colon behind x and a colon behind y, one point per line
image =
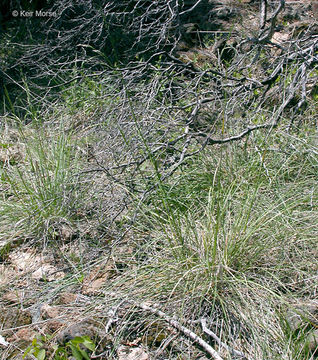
x: 67, y: 298
x: 301, y: 314
x: 13, y: 297
x: 129, y: 353
x: 223, y: 12
x: 280, y: 38
x: 23, y: 260
x: 83, y: 328
x: 28, y: 261
x: 23, y: 334
x: 10, y: 154
x: 300, y: 317
x: 64, y: 232
x: 47, y: 272
x: 13, y: 317
x: 67, y: 233
x: 49, y: 312
x: 312, y: 340
x: 52, y: 326
x: 97, y: 278
x: 3, y: 341
x: 190, y: 27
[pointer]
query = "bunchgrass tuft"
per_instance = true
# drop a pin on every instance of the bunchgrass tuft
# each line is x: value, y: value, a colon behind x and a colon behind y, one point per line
x: 242, y: 241
x: 41, y: 187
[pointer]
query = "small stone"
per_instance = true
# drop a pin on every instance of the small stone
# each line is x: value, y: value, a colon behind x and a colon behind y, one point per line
x: 83, y: 328
x: 66, y: 233
x: 67, y: 298
x: 301, y: 314
x: 3, y: 341
x: 312, y: 340
x: 52, y: 326
x: 94, y: 281
x: 280, y: 38
x: 23, y: 334
x: 23, y: 261
x: 49, y: 312
x: 13, y: 317
x: 129, y: 353
x: 47, y: 272
x: 13, y: 297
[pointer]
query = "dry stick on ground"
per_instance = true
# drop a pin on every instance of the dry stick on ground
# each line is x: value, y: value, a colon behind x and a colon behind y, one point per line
x: 263, y: 13
x: 209, y: 349
x: 221, y: 343
x: 272, y: 20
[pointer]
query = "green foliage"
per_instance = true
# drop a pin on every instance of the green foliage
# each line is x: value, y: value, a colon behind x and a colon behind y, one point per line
x: 232, y: 227
x: 36, y: 349
x: 79, y: 348
x: 83, y: 94
x: 42, y: 186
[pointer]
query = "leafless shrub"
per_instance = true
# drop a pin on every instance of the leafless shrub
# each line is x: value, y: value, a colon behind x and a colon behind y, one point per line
x: 166, y: 108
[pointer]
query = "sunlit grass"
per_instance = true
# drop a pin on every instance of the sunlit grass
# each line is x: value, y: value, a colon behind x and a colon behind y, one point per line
x: 242, y: 241
x: 41, y: 188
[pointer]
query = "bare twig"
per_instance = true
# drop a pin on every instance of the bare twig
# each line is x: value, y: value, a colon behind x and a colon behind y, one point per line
x: 221, y: 343
x: 180, y: 107
x: 263, y: 13
x: 272, y: 20
x: 176, y: 324
x: 112, y: 318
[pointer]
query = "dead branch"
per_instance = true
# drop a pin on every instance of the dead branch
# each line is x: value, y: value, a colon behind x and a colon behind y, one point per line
x: 267, y: 34
x: 187, y: 332
x: 161, y: 109
x: 263, y: 13
x: 221, y: 343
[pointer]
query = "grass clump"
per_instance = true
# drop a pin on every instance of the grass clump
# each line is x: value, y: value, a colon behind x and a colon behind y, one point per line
x: 241, y: 242
x: 41, y: 188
